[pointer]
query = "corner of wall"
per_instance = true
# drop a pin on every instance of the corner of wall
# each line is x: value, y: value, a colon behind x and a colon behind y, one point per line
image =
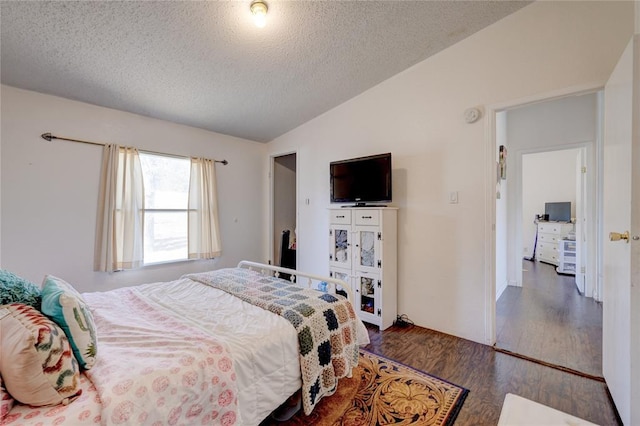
x: 500, y: 288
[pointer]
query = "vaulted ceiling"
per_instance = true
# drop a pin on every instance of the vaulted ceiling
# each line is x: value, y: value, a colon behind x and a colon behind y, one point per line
x: 205, y: 64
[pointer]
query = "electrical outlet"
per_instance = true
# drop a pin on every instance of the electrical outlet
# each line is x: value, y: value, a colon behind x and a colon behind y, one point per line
x: 453, y: 197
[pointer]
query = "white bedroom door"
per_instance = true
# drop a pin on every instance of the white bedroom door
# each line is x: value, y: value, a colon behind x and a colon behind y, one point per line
x: 621, y: 256
x: 581, y: 221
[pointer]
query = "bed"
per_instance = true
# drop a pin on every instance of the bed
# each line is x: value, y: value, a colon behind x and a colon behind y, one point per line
x: 209, y: 349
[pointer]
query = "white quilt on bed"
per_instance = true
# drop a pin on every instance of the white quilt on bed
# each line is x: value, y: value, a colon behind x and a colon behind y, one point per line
x: 326, y: 325
x: 264, y: 346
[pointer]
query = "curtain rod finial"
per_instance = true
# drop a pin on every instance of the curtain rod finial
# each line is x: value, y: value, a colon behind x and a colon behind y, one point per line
x: 46, y: 136
x: 224, y: 162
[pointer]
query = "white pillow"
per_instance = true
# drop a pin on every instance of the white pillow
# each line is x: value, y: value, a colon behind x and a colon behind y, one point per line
x: 36, y: 362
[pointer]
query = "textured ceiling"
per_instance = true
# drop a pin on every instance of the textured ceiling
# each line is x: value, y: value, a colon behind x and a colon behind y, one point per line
x: 205, y: 64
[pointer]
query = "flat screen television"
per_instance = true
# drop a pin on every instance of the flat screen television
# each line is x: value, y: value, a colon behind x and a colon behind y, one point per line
x: 361, y: 180
x: 558, y: 212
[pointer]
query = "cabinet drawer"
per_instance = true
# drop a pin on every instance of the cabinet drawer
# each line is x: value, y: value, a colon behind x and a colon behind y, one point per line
x: 340, y: 217
x: 367, y: 217
x: 547, y: 250
x: 549, y: 257
x: 549, y: 238
x: 550, y: 228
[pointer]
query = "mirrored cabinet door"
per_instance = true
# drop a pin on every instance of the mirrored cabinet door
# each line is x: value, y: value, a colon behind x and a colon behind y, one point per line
x: 341, y: 275
x: 340, y: 246
x: 368, y: 300
x: 367, y: 253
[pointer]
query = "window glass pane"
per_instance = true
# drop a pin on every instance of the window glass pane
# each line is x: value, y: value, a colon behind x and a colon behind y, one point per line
x: 166, y: 181
x: 165, y: 236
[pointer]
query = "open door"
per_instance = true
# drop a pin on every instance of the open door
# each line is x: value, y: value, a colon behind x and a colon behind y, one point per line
x: 284, y: 210
x: 621, y: 245
x: 581, y: 221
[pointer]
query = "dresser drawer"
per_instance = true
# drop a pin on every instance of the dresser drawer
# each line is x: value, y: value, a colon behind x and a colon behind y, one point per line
x: 547, y: 247
x: 549, y: 257
x: 550, y: 228
x: 340, y: 217
x: 549, y: 238
x: 367, y: 217
x: 548, y: 250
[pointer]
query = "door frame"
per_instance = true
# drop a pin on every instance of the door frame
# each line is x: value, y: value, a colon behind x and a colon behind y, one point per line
x: 272, y: 207
x: 589, y: 149
x: 490, y: 193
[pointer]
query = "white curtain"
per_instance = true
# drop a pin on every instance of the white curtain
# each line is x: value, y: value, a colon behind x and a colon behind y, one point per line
x: 120, y: 227
x: 204, y: 232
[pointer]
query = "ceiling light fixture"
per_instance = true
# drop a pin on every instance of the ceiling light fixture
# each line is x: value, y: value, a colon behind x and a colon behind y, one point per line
x: 259, y: 11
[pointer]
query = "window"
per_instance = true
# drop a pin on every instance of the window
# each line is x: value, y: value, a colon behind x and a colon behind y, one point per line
x: 166, y: 198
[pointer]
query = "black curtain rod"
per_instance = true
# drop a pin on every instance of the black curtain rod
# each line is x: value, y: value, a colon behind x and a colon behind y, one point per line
x: 49, y: 137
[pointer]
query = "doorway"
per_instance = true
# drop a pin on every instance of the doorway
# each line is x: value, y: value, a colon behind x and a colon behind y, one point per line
x: 284, y: 211
x: 542, y: 312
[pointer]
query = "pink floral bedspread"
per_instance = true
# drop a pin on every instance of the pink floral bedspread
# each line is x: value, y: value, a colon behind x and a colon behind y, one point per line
x: 153, y: 368
x: 83, y: 411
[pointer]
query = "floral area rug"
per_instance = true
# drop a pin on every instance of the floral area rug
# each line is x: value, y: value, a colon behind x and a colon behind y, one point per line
x: 385, y: 392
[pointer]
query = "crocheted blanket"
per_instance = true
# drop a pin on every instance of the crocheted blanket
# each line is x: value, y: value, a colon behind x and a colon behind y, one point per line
x: 326, y: 325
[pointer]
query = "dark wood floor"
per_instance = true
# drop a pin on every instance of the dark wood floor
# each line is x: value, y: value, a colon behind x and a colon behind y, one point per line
x: 547, y: 319
x: 490, y: 375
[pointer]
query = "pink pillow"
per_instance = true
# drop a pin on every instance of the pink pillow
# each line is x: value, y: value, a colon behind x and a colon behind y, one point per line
x: 36, y: 362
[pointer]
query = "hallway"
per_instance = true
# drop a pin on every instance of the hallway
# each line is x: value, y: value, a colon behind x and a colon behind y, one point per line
x: 548, y: 320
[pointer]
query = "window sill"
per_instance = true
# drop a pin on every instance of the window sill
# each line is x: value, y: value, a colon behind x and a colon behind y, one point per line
x: 168, y: 262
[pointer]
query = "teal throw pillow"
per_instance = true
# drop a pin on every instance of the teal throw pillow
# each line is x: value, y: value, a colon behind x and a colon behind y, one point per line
x: 66, y: 307
x: 14, y: 289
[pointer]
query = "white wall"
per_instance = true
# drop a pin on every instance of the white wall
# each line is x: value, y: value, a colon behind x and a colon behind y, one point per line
x: 49, y: 189
x: 418, y: 116
x: 546, y: 177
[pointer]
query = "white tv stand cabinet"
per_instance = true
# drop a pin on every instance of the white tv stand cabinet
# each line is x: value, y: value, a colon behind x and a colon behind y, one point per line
x: 363, y: 253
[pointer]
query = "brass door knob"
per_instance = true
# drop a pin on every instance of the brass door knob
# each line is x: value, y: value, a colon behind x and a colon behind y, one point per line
x: 616, y: 236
